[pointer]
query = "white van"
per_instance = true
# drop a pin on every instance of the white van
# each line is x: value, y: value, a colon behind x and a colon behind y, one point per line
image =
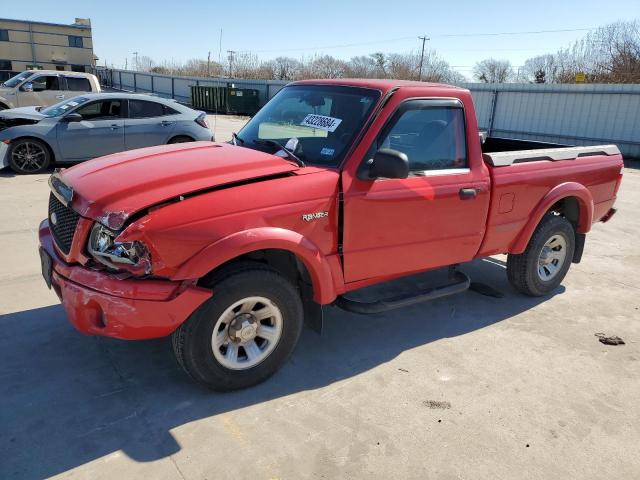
x: 45, y: 87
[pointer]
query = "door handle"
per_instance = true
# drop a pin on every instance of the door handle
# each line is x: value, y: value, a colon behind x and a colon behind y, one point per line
x: 165, y: 123
x: 468, y: 193
x: 115, y: 127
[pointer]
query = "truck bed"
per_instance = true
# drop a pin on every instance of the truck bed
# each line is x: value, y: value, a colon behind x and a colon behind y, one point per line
x: 502, y: 152
x: 523, y: 173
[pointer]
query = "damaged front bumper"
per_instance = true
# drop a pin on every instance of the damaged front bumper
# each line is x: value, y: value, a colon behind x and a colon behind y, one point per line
x: 100, y: 303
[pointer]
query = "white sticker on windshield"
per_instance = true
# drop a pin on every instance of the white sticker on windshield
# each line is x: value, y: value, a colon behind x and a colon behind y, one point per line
x: 328, y: 151
x: 321, y: 122
x: 73, y: 104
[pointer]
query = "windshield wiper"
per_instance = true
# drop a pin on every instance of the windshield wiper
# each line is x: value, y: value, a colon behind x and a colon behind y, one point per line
x: 290, y: 154
x: 236, y: 139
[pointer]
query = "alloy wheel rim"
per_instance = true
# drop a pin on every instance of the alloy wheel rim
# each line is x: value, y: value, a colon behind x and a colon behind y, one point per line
x: 552, y: 257
x: 29, y: 156
x: 246, y: 333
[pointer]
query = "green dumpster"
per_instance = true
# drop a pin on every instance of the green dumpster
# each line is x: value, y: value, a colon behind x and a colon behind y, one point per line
x: 212, y: 99
x: 244, y: 101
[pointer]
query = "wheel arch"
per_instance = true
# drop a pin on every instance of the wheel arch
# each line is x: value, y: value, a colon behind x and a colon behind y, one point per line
x: 570, y: 200
x: 286, y: 251
x: 173, y: 137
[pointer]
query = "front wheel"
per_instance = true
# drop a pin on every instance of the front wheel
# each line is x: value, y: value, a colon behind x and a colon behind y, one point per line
x: 29, y: 155
x: 244, y: 333
x: 545, y: 262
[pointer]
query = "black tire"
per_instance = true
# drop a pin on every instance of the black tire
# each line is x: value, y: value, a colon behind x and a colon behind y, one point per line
x: 23, y: 146
x: 192, y: 341
x: 522, y: 269
x: 181, y: 139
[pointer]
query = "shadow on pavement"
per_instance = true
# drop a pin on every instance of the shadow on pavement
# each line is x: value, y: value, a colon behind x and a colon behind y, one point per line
x: 66, y: 399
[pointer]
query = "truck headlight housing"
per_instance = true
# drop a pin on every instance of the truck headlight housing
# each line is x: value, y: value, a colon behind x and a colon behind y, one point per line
x: 132, y: 256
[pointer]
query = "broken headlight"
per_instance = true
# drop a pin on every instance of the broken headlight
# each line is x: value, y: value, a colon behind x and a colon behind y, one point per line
x: 131, y: 256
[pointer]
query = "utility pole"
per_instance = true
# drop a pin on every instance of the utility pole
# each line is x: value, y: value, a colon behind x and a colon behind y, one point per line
x: 209, y: 64
x: 136, y: 54
x: 231, y: 54
x: 126, y: 63
x: 424, y: 39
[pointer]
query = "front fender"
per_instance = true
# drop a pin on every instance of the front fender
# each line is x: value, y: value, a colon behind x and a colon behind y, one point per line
x: 564, y: 190
x: 254, y: 239
x: 6, y: 102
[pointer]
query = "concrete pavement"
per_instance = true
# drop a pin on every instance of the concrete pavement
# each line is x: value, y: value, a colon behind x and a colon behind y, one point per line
x: 464, y: 387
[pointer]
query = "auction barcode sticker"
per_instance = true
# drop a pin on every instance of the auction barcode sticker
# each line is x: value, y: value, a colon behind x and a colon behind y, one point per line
x: 321, y: 122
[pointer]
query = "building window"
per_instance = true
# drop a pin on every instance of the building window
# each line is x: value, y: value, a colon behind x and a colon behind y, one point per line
x: 4, y: 35
x: 78, y: 68
x: 60, y: 68
x: 75, y: 41
x: 5, y: 64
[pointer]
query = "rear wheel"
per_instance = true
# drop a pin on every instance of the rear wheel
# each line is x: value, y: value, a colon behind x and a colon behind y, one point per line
x: 244, y: 333
x: 545, y: 262
x: 29, y: 155
x: 181, y: 139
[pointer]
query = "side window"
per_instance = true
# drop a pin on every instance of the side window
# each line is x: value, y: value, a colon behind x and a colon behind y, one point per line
x: 169, y: 110
x: 78, y: 84
x: 45, y: 82
x: 433, y: 138
x: 105, y: 109
x: 145, y: 109
x: 75, y: 41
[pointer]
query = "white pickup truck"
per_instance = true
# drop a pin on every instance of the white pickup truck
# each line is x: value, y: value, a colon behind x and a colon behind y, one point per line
x: 45, y: 87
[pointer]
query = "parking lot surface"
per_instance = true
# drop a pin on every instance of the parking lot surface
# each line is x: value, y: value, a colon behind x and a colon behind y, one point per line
x: 464, y: 387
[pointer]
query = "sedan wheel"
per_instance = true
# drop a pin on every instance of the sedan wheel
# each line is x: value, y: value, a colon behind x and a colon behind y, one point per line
x: 29, y: 156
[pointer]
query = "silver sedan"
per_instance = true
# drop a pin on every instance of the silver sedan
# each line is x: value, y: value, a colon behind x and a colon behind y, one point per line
x: 94, y: 125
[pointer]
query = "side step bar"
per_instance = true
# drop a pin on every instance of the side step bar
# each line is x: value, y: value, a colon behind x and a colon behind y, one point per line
x: 462, y: 282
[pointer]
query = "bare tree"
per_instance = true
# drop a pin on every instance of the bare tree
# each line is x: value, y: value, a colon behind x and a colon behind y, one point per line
x: 493, y: 71
x: 609, y: 54
x: 144, y: 63
x: 362, y: 67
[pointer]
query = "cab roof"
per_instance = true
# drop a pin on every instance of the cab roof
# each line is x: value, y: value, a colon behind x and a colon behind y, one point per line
x: 383, y: 85
x: 67, y: 73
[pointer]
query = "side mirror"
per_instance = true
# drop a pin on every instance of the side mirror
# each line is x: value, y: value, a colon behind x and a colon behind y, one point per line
x: 388, y: 163
x: 27, y: 87
x: 72, y: 117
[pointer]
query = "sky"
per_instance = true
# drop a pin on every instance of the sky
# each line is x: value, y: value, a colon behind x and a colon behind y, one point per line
x: 180, y: 30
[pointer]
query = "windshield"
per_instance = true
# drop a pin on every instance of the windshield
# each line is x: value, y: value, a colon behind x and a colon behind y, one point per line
x: 63, y: 107
x: 315, y: 122
x: 15, y: 81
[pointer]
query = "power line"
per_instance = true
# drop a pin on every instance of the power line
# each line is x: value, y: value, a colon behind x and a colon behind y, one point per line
x: 398, y: 39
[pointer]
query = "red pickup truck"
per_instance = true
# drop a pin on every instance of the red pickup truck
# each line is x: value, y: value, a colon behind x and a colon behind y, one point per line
x: 333, y: 186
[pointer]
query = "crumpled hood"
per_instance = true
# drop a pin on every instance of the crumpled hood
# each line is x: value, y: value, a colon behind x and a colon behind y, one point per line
x: 110, y: 189
x: 28, y: 113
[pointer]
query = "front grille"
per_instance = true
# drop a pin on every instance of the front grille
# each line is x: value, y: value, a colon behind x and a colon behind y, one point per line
x: 65, y: 223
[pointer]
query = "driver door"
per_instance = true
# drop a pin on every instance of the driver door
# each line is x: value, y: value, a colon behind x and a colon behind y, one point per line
x: 47, y: 89
x: 394, y: 226
x: 100, y: 132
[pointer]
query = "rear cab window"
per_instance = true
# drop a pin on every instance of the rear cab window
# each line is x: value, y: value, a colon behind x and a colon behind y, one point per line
x: 78, y: 84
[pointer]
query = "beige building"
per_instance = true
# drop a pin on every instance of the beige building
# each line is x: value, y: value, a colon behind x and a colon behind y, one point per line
x: 49, y: 46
